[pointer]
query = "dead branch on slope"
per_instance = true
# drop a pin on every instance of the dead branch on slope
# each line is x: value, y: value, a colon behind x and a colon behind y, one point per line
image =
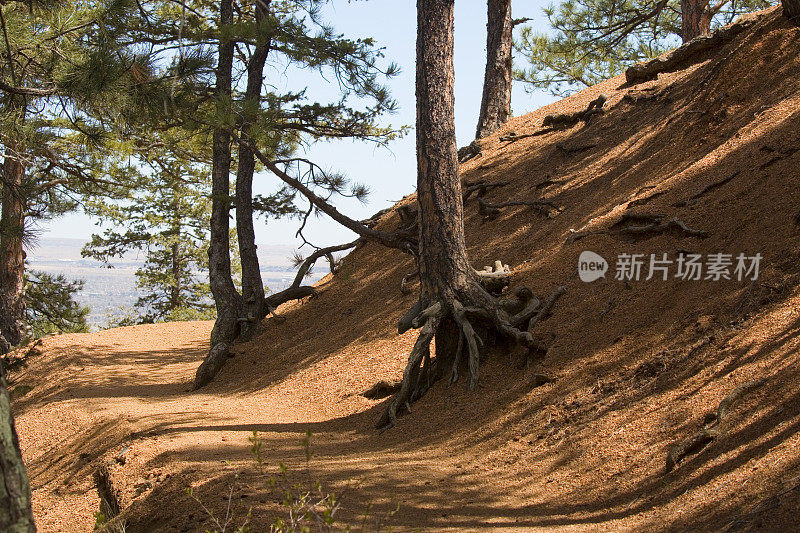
x: 489, y: 210
x: 708, y: 188
x: 655, y: 225
x: 545, y: 208
x: 711, y: 429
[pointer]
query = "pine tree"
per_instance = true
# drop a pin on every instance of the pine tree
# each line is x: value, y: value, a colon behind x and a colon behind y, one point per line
x: 56, y: 62
x: 458, y: 308
x: 166, y: 216
x: 51, y: 306
x: 593, y: 40
x: 791, y: 9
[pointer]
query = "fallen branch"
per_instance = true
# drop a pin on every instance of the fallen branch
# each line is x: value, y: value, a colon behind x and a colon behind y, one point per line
x: 655, y: 227
x: 569, y: 150
x: 711, y: 427
x: 693, y: 198
x: 544, y: 207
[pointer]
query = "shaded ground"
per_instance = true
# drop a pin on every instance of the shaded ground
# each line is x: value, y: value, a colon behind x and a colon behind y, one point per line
x: 636, y: 364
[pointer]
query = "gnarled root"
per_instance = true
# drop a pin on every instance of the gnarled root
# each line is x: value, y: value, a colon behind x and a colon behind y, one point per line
x: 466, y: 321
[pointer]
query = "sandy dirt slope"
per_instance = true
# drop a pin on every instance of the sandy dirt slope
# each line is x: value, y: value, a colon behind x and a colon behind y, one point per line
x: 636, y: 364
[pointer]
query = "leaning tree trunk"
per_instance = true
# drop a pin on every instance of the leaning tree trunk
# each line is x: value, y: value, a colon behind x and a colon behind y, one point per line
x: 12, y: 255
x: 252, y: 284
x: 15, y: 493
x: 496, y: 102
x: 226, y: 299
x: 791, y: 9
x: 695, y: 19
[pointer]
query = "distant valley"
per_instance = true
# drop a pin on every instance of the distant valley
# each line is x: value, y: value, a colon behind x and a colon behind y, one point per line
x: 111, y: 290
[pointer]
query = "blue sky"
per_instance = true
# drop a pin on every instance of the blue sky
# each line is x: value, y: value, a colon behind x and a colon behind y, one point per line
x: 390, y: 173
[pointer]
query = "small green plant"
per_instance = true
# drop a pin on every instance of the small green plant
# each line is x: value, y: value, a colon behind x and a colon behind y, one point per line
x: 103, y: 525
x: 309, y: 507
x: 221, y: 525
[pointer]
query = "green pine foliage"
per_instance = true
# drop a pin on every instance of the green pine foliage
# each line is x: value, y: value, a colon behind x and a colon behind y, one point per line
x: 165, y: 216
x: 51, y: 306
x: 593, y: 40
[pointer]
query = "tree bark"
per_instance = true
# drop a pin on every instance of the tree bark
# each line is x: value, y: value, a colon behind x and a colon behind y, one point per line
x: 252, y: 284
x: 695, y: 19
x: 445, y: 272
x: 12, y: 255
x: 791, y: 10
x: 226, y: 327
x: 496, y: 102
x: 16, y: 515
x: 175, y: 290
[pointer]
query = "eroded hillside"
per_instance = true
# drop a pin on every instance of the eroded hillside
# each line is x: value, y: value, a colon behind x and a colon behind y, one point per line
x: 636, y: 364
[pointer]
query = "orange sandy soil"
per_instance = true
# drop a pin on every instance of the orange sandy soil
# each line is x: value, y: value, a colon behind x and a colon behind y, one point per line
x: 636, y: 365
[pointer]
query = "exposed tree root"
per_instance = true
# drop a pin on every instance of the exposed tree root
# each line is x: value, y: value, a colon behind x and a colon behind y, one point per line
x: 490, y: 210
x: 473, y: 320
x: 644, y: 200
x: 565, y: 121
x: 569, y: 150
x: 465, y: 153
x: 693, y: 198
x: 406, y: 279
x: 494, y: 278
x: 681, y: 56
x: 562, y: 121
x: 655, y: 226
x: 480, y: 188
x: 711, y: 429
x: 544, y: 207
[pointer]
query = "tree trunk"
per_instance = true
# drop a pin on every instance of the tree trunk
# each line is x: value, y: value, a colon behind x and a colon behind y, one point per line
x: 12, y: 255
x: 252, y: 284
x: 695, y: 19
x: 455, y: 308
x: 226, y: 298
x: 496, y: 102
x: 175, y: 291
x: 443, y: 253
x: 15, y: 492
x: 791, y: 9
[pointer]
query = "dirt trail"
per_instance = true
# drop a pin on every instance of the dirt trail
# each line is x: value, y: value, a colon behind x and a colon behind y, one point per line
x: 636, y: 364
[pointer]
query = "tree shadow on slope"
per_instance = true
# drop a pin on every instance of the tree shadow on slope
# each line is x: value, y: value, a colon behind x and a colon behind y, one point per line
x: 107, y: 371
